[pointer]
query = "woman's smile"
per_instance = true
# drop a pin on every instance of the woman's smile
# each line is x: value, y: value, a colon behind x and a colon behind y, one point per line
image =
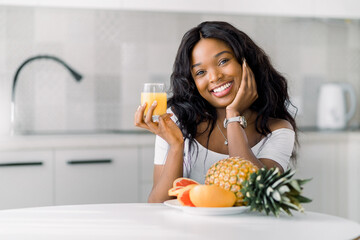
x: 223, y: 89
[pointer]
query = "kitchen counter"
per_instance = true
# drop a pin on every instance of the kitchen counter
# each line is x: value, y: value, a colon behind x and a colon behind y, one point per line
x: 69, y: 141
x: 317, y: 135
x: 157, y: 221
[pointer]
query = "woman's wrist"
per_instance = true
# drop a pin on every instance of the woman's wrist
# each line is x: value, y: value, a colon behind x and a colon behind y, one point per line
x: 232, y: 113
x: 179, y: 145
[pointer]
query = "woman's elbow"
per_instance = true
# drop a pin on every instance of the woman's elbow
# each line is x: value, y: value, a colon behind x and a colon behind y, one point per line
x: 153, y: 198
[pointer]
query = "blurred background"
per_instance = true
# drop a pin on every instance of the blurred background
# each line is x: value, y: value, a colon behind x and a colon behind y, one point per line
x: 119, y: 45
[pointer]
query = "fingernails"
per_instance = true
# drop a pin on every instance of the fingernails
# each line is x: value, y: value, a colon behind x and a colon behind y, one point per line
x: 138, y: 107
x: 244, y: 62
x: 154, y: 103
x: 143, y: 105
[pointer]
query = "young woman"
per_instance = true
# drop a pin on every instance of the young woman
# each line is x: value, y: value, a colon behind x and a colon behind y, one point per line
x: 227, y: 100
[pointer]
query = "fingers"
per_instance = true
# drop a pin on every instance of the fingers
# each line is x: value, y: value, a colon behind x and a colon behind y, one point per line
x: 149, y: 116
x: 166, y: 116
x: 139, y: 117
x: 249, y: 81
x: 244, y: 75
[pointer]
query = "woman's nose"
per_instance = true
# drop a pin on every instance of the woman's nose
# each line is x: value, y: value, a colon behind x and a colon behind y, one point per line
x: 215, y: 76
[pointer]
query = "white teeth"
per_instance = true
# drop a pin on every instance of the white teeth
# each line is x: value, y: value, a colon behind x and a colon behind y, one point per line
x: 222, y: 88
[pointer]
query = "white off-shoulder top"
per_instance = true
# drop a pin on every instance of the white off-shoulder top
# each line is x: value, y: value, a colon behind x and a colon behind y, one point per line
x: 277, y: 146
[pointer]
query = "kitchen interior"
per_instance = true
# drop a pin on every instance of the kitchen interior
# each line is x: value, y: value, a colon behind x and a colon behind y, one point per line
x: 67, y: 141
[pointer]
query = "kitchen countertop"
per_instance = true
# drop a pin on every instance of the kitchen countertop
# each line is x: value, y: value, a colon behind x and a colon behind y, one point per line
x: 91, y: 140
x: 68, y: 141
x: 328, y: 135
x: 157, y: 221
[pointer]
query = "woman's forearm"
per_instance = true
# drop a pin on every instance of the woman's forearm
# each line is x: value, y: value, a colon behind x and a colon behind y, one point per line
x: 239, y: 145
x: 172, y: 170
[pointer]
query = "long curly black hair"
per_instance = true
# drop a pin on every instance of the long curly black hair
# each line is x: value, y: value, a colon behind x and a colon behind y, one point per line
x: 191, y: 108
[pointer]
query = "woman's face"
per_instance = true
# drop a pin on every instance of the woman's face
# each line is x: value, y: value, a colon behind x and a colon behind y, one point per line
x: 216, y: 71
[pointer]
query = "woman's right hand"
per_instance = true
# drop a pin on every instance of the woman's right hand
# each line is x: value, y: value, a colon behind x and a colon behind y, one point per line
x: 246, y: 94
x: 164, y: 128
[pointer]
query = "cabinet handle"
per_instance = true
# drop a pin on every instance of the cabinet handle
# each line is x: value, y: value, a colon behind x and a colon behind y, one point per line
x: 16, y: 164
x: 89, y: 161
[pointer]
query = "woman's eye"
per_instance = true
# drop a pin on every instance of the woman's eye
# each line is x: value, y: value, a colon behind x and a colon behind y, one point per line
x: 200, y: 72
x: 223, y: 61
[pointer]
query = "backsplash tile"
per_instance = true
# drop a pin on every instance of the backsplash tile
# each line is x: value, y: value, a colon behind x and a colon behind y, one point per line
x: 118, y: 51
x: 107, y: 100
x: 55, y: 30
x: 20, y: 24
x: 108, y: 59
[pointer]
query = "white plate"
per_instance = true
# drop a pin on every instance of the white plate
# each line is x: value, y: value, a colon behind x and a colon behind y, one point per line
x: 174, y: 203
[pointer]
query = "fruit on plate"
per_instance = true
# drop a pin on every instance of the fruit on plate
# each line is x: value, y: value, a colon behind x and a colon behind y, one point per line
x: 184, y: 196
x: 199, y: 195
x: 175, y: 191
x: 211, y: 196
x: 183, y: 182
x: 181, y: 189
x: 264, y: 189
x: 230, y: 173
x: 179, y: 184
x: 274, y: 192
x: 202, y: 195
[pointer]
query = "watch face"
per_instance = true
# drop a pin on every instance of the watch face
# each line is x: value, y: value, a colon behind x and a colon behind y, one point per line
x: 243, y: 122
x: 240, y: 119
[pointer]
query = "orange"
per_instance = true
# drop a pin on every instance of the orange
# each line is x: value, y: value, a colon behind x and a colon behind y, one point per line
x: 211, y: 196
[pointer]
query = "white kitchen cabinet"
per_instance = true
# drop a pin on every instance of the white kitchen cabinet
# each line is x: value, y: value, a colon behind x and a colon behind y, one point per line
x: 26, y: 179
x: 146, y: 168
x: 353, y: 168
x: 332, y: 161
x: 96, y: 176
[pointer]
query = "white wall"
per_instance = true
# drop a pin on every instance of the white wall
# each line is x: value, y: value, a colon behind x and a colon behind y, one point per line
x: 119, y: 50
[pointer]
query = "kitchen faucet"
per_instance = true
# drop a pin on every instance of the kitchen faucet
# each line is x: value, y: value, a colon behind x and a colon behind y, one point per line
x: 75, y: 74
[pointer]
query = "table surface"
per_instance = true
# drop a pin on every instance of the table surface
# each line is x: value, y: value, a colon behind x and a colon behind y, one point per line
x: 157, y: 221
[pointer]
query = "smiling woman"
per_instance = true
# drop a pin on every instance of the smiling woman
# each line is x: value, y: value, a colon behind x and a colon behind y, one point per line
x: 216, y: 71
x: 221, y: 79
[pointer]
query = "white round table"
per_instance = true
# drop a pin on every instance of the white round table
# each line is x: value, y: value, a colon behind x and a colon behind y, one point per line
x: 157, y: 221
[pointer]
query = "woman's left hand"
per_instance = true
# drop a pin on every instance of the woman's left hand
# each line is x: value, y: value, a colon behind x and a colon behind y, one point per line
x: 246, y: 95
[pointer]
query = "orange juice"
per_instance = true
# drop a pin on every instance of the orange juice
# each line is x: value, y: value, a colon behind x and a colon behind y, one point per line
x: 150, y: 97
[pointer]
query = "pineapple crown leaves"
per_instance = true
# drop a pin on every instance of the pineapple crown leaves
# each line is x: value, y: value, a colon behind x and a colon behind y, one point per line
x: 271, y: 191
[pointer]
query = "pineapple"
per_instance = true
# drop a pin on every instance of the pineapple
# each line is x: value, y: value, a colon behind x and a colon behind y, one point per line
x: 261, y: 189
x: 230, y: 173
x: 274, y: 192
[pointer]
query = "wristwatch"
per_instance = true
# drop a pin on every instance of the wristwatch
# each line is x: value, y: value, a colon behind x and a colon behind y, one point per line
x: 240, y: 119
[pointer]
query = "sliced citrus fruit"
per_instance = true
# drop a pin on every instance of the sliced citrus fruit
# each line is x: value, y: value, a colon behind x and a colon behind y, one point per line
x: 184, y: 196
x: 183, y: 182
x: 175, y: 191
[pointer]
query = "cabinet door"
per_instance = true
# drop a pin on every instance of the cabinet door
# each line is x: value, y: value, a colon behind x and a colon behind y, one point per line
x: 146, y: 166
x: 353, y: 206
x: 26, y: 179
x: 325, y: 162
x: 96, y: 176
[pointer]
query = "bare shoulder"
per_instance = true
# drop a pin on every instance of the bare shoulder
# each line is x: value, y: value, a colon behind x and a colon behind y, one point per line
x: 275, y: 124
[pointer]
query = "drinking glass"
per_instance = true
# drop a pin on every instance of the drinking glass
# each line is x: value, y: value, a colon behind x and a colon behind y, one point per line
x: 152, y: 92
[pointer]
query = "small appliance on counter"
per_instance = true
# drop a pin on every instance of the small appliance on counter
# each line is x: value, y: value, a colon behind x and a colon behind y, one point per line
x: 332, y: 111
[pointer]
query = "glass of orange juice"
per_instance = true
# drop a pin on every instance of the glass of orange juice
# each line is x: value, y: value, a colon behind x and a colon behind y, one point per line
x: 152, y: 92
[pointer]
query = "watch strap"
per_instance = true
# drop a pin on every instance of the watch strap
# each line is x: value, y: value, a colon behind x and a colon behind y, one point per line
x: 240, y: 119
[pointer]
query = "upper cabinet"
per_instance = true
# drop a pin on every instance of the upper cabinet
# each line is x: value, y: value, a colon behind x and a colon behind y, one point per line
x: 297, y: 8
